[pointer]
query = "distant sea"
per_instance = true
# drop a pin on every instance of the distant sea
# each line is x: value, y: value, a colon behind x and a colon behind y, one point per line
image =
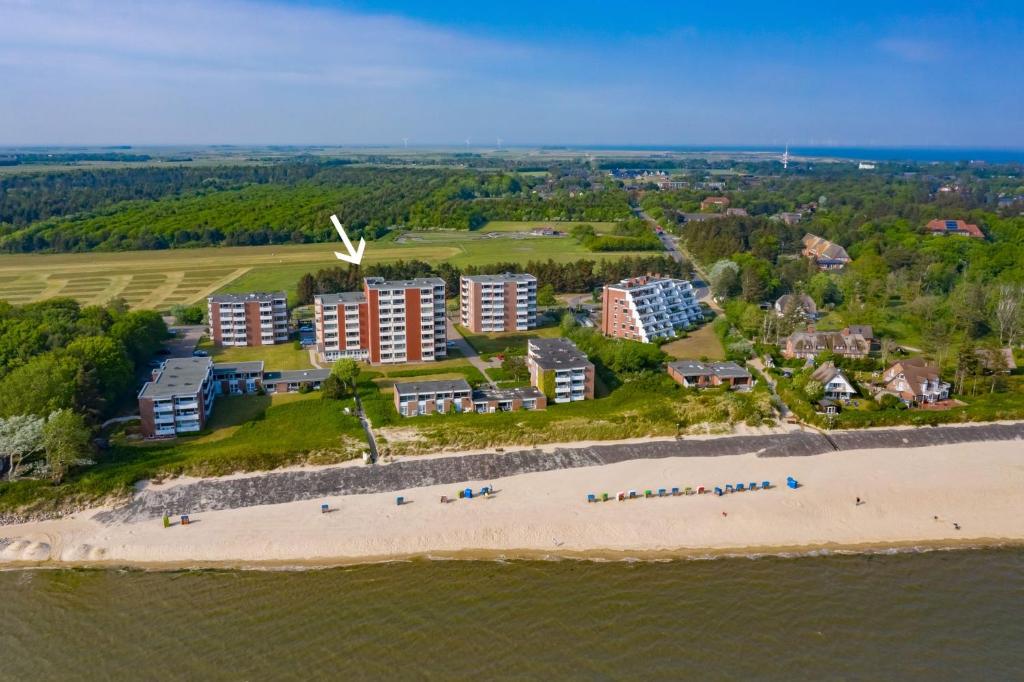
x: 942, y: 615
x: 918, y: 154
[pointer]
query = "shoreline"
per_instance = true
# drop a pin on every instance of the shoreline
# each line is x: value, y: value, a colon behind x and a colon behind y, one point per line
x: 940, y: 497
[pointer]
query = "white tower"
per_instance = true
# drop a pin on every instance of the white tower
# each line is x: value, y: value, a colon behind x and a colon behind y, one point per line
x: 785, y: 158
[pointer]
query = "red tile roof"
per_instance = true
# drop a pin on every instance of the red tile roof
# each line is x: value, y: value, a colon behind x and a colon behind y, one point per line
x: 955, y: 227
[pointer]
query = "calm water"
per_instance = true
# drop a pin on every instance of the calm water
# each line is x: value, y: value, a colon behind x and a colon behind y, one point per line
x: 940, y: 615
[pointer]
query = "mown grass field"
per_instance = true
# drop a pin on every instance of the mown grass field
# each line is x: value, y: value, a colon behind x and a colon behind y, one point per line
x: 702, y: 343
x: 160, y: 279
x: 278, y: 357
x: 496, y: 342
x: 527, y: 225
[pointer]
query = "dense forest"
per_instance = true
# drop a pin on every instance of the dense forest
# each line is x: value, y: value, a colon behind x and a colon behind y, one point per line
x: 173, y: 207
x: 574, y: 277
x: 57, y: 355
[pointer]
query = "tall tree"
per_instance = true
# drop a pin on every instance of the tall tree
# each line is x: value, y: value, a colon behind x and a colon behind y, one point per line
x: 66, y: 441
x: 20, y: 438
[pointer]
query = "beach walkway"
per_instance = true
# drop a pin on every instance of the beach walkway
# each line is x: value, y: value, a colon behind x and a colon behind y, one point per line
x: 291, y: 486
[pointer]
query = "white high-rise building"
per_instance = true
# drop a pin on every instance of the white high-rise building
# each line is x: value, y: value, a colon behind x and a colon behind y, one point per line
x: 646, y: 308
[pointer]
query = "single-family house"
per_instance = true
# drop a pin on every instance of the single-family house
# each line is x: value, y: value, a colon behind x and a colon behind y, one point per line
x: 825, y: 254
x: 788, y: 303
x: 715, y: 204
x: 958, y: 227
x: 835, y: 383
x: 915, y: 381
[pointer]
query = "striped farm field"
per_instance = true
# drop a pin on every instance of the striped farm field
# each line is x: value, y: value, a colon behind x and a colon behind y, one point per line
x: 160, y: 279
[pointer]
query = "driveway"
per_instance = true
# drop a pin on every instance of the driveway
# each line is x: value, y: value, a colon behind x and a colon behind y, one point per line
x: 468, y: 351
x: 182, y: 345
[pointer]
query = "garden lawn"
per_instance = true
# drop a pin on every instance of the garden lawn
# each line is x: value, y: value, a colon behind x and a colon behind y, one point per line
x: 497, y: 342
x: 277, y: 357
x: 703, y: 342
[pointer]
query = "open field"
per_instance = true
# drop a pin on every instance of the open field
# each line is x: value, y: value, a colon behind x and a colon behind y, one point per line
x: 496, y: 342
x: 159, y: 279
x: 702, y: 343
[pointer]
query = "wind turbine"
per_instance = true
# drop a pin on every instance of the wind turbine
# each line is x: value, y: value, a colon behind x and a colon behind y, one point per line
x: 467, y: 143
x: 499, y: 143
x: 405, y: 141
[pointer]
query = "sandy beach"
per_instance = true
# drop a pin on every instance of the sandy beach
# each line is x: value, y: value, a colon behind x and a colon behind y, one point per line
x: 979, y: 488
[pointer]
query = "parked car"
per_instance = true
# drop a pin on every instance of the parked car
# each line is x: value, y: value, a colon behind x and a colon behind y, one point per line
x: 197, y: 353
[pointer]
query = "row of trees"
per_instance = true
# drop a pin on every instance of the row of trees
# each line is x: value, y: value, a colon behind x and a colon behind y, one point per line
x: 63, y: 438
x: 577, y: 276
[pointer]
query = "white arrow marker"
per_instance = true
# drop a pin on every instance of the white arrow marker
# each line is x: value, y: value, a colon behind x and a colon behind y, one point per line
x: 354, y: 255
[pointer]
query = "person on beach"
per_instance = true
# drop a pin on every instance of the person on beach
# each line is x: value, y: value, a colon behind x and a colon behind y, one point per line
x: 857, y: 504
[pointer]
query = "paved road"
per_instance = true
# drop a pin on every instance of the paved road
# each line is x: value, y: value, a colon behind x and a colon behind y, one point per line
x: 700, y: 288
x: 182, y: 345
x: 409, y: 473
x: 468, y: 351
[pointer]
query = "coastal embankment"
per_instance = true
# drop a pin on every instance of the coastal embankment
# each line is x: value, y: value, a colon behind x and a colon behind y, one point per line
x: 946, y: 486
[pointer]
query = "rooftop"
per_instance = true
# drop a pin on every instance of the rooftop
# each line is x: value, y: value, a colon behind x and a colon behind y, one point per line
x: 439, y: 386
x: 418, y: 282
x: 556, y: 353
x: 633, y: 283
x: 823, y: 248
x: 503, y: 277
x: 297, y: 375
x: 177, y: 377
x: 955, y: 227
x: 256, y: 296
x: 729, y: 370
x: 343, y: 297
x: 237, y: 367
x: 521, y: 393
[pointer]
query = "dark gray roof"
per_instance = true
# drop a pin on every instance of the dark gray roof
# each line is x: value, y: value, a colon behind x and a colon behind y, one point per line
x: 726, y: 369
x: 232, y: 367
x: 297, y: 375
x: 439, y: 386
x: 343, y: 297
x: 178, y: 377
x: 262, y: 296
x: 503, y: 277
x: 522, y: 393
x: 556, y: 353
x: 381, y: 283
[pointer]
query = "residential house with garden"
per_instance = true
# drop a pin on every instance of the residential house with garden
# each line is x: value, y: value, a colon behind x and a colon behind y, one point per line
x: 846, y: 343
x: 954, y: 227
x: 560, y: 370
x: 796, y: 303
x: 915, y: 381
x: 825, y: 254
x: 715, y: 204
x: 834, y: 382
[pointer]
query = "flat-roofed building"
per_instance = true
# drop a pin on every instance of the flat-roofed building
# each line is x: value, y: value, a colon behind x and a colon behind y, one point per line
x: 178, y: 398
x: 237, y: 378
x: 256, y: 319
x: 294, y: 380
x: 388, y: 322
x: 647, y: 307
x: 342, y: 325
x: 560, y: 370
x: 487, y: 400
x: 498, y: 303
x: 696, y: 374
x: 406, y: 320
x: 429, y: 397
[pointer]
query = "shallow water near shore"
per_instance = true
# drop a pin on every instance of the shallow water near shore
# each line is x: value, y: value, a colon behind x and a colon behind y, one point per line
x: 935, y: 615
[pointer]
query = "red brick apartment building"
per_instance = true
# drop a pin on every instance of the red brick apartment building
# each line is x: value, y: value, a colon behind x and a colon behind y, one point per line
x: 388, y: 322
x: 257, y: 319
x: 647, y: 307
x: 498, y: 303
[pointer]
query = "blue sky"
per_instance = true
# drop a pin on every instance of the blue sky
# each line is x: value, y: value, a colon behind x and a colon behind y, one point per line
x: 369, y: 72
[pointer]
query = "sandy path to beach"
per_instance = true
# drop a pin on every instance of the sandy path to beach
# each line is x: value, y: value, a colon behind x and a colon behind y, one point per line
x: 980, y: 487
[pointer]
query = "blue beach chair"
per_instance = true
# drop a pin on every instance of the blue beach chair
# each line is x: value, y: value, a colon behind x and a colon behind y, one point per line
x: 765, y: 485
x: 661, y: 492
x: 728, y: 487
x: 675, y: 491
x: 591, y: 497
x: 740, y: 488
x: 718, y: 491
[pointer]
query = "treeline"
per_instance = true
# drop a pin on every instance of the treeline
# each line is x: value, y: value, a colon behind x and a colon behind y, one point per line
x: 57, y: 355
x: 53, y: 159
x: 577, y: 276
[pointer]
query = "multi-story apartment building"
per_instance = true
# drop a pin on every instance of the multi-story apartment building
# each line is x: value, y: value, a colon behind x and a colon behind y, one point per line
x: 498, y: 303
x: 258, y: 319
x: 388, y: 322
x: 560, y: 370
x: 342, y: 327
x: 645, y: 308
x: 444, y: 396
x: 178, y: 398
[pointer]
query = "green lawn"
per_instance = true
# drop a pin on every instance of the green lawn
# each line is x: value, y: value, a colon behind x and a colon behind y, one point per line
x: 278, y: 357
x: 497, y: 342
x: 698, y: 344
x: 291, y: 431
